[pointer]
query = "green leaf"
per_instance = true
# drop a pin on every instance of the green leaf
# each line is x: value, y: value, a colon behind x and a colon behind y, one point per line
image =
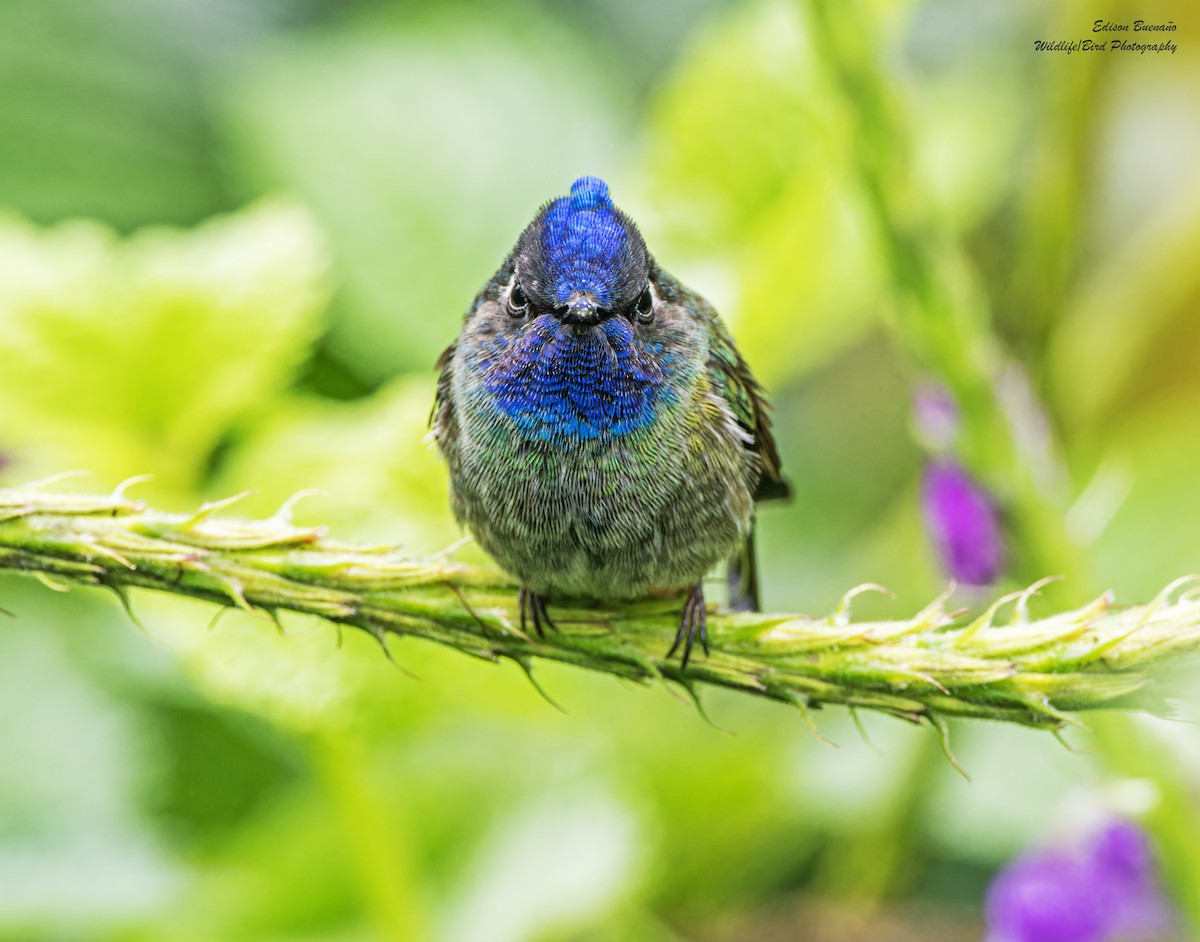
x: 377, y: 476
x: 103, y: 111
x: 424, y: 151
x: 749, y: 148
x: 131, y: 356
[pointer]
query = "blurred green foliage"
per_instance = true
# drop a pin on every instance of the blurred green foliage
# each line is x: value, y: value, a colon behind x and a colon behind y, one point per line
x: 346, y: 176
x: 210, y: 323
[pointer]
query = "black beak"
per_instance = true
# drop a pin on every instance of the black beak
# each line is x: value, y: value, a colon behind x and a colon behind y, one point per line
x: 582, y: 310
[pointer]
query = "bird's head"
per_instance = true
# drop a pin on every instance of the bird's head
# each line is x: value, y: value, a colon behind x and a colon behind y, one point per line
x: 580, y: 334
x: 582, y: 261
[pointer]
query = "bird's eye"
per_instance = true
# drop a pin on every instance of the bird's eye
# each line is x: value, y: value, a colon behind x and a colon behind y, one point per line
x: 517, y: 302
x: 645, y: 305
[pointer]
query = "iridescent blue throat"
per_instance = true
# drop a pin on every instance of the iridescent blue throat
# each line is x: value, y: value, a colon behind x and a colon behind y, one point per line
x: 558, y: 386
x: 583, y: 236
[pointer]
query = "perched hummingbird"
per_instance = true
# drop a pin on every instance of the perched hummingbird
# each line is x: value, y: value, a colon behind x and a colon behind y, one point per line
x: 605, y: 438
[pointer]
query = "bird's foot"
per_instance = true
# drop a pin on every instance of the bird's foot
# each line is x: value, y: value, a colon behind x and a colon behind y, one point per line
x: 534, y: 606
x: 693, y: 622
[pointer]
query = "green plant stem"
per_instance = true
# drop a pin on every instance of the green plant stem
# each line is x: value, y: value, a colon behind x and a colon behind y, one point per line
x: 925, y: 668
x: 1051, y: 203
x: 940, y: 315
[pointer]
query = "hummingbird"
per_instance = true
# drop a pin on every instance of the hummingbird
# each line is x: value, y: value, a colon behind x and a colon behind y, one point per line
x: 604, y: 437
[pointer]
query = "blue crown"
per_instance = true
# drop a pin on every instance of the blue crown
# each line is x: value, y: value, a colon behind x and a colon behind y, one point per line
x: 584, y: 235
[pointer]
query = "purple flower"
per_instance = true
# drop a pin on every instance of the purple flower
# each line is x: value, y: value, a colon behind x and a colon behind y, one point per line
x: 1103, y: 891
x: 1136, y: 906
x: 962, y: 520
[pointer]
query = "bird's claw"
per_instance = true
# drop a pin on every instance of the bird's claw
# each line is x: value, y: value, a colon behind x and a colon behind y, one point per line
x: 693, y: 622
x: 534, y: 606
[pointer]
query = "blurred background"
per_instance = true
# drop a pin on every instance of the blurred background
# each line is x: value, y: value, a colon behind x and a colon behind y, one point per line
x: 236, y: 238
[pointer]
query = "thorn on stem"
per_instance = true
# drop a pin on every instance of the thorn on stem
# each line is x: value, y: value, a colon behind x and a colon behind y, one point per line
x: 862, y: 731
x: 526, y: 665
x: 119, y: 491
x: 122, y: 595
x: 841, y: 614
x: 284, y: 514
x: 380, y: 634
x: 208, y: 508
x: 462, y: 600
x: 1021, y: 611
x: 689, y: 687
x: 218, y: 615
x: 801, y: 704
x: 943, y: 728
x: 1075, y: 750
x: 54, y: 479
x: 50, y: 583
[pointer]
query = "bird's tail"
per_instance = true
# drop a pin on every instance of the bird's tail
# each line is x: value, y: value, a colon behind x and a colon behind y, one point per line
x: 743, y: 576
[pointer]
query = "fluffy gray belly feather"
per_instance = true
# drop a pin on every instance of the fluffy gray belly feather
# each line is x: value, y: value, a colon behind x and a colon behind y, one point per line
x: 609, y: 518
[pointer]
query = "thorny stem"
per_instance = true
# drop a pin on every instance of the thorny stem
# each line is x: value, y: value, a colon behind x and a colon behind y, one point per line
x: 934, y: 665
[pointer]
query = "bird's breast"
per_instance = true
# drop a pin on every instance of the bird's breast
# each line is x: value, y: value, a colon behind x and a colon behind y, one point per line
x: 560, y: 384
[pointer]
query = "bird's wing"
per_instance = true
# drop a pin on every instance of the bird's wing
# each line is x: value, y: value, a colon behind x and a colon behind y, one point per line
x: 440, y: 416
x: 748, y: 403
